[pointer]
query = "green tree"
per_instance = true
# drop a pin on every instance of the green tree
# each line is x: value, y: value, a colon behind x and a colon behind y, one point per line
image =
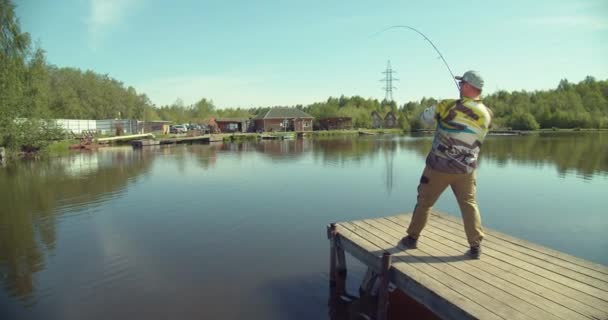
x: 14, y: 46
x: 523, y: 121
x: 37, y: 87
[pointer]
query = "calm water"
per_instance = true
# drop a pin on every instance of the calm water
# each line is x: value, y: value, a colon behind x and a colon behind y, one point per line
x: 237, y: 231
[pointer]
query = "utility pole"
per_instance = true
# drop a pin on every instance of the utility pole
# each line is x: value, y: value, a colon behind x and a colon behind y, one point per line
x: 388, y: 82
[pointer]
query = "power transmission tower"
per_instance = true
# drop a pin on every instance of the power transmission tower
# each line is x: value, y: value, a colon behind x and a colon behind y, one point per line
x: 388, y: 82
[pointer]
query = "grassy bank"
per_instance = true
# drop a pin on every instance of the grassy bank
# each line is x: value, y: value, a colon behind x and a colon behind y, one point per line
x: 241, y: 137
x: 59, y: 148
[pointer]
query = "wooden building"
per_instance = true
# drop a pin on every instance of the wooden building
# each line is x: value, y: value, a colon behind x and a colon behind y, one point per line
x: 226, y: 125
x: 377, y: 120
x: 336, y: 123
x: 283, y: 119
x: 390, y: 120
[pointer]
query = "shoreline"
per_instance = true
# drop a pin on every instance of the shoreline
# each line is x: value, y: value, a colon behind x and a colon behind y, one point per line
x: 62, y: 147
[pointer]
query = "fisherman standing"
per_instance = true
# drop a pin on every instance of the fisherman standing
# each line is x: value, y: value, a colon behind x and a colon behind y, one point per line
x: 461, y: 128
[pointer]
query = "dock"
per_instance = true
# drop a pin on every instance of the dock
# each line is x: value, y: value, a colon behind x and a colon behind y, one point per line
x: 514, y: 279
x: 176, y: 140
x: 144, y: 143
x: 137, y: 144
x: 125, y: 138
x: 278, y: 135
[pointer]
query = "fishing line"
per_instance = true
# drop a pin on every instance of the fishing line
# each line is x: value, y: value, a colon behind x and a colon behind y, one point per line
x: 427, y: 39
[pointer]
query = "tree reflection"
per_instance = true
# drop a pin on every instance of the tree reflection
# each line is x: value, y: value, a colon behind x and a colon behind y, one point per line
x: 343, y: 149
x: 585, y: 153
x: 280, y: 150
x: 31, y: 192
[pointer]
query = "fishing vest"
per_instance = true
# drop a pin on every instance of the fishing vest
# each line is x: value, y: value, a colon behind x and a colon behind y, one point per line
x: 462, y: 126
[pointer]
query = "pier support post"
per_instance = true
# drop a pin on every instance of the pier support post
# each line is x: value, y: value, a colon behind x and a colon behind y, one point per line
x: 383, y: 291
x: 331, y: 233
x: 340, y: 268
x: 337, y: 262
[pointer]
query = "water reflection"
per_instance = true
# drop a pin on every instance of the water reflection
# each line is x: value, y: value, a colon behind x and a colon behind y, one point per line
x: 284, y: 150
x: 176, y: 225
x: 585, y: 153
x: 338, y: 151
x: 33, y: 193
x: 389, y: 148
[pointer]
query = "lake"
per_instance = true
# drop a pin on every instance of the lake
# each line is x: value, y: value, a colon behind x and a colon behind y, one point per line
x: 237, y: 230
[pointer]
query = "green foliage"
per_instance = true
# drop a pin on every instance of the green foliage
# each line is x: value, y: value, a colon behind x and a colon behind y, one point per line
x: 403, y: 122
x: 570, y: 105
x: 14, y: 47
x: 60, y: 147
x: 200, y: 112
x: 34, y: 134
x: 87, y: 95
x: 523, y: 121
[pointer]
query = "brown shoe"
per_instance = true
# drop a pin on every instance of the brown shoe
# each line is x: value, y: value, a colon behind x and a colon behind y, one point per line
x: 409, y: 242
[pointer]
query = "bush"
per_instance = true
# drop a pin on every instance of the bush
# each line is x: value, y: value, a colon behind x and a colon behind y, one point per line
x: 523, y: 121
x: 403, y: 123
x: 32, y: 135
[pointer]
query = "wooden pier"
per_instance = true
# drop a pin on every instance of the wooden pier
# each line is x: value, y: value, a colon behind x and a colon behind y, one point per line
x: 152, y: 142
x: 144, y: 143
x: 278, y: 135
x: 203, y: 138
x: 514, y: 279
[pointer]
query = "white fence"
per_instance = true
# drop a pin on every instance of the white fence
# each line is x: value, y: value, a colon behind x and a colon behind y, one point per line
x: 75, y: 125
x: 109, y: 126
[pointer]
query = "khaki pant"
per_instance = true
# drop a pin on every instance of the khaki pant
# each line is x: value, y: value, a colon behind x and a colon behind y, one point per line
x: 432, y: 184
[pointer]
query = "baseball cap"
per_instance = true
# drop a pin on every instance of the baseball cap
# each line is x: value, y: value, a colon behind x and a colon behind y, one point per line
x: 473, y: 78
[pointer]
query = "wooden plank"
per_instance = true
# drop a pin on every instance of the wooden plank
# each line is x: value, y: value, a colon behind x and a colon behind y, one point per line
x: 443, y: 300
x: 489, y: 303
x: 425, y: 289
x: 127, y: 137
x: 526, y: 292
x: 506, y: 248
x: 592, y: 269
x: 498, y: 260
x: 502, y: 299
x: 587, y: 275
x: 497, y: 268
x: 514, y: 259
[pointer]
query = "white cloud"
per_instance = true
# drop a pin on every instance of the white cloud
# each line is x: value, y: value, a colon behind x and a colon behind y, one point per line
x: 104, y: 15
x: 586, y: 22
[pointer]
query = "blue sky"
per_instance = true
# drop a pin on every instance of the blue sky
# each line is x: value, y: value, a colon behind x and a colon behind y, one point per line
x: 263, y: 53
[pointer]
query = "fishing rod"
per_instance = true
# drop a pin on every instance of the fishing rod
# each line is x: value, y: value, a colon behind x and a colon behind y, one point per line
x: 427, y: 39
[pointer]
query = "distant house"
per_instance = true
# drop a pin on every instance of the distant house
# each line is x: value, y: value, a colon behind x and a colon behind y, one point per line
x: 283, y: 119
x: 336, y: 123
x: 377, y: 120
x: 232, y: 124
x: 390, y: 120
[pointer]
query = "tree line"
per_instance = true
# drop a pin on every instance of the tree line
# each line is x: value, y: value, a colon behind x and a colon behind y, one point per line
x: 570, y: 105
x: 32, y: 89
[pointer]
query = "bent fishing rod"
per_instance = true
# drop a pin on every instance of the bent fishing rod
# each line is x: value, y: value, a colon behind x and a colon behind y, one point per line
x: 427, y: 39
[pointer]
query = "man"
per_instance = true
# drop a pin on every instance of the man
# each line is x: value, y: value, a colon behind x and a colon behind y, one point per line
x: 461, y: 128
